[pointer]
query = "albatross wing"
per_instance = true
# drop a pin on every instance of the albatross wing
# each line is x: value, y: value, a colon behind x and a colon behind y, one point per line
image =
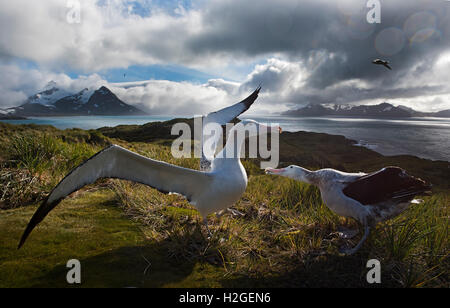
x: 117, y: 162
x: 223, y: 117
x: 390, y: 183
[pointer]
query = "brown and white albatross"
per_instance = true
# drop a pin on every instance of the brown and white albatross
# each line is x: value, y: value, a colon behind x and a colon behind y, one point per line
x: 368, y: 198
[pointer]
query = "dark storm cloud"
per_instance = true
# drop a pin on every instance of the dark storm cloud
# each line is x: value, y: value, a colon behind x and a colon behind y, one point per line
x: 334, y: 40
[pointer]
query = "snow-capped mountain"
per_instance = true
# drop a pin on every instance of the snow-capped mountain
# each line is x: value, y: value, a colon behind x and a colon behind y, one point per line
x: 49, y: 95
x: 384, y: 110
x: 53, y: 101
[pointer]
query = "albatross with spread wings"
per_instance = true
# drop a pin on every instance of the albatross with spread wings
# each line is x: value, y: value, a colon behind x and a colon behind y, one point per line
x: 209, y: 192
x: 223, y: 117
x: 368, y: 198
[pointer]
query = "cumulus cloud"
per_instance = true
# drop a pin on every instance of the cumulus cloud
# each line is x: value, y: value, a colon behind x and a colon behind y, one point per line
x: 285, y: 86
x: 309, y: 51
x: 17, y: 83
x: 160, y: 97
x: 174, y: 98
x: 277, y: 75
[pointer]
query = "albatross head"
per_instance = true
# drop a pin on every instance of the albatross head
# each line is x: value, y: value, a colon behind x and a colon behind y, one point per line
x: 255, y: 128
x: 294, y: 172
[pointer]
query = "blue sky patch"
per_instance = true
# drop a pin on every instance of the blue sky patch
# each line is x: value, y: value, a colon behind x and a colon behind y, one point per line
x: 156, y: 72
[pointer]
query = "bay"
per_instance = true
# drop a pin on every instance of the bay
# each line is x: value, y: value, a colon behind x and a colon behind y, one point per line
x: 423, y: 137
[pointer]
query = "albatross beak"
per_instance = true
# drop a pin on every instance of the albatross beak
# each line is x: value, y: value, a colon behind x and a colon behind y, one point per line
x: 280, y: 129
x: 274, y: 171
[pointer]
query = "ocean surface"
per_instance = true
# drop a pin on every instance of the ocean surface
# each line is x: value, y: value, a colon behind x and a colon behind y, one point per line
x: 423, y: 137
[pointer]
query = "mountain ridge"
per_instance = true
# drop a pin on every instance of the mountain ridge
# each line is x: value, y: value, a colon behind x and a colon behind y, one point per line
x: 383, y: 110
x: 53, y: 101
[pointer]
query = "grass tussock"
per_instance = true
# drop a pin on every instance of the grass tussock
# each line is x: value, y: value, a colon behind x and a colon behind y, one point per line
x: 34, y: 161
x: 18, y: 187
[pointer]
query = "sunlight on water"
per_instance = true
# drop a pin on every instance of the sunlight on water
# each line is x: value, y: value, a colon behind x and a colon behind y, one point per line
x: 423, y: 137
x: 91, y: 122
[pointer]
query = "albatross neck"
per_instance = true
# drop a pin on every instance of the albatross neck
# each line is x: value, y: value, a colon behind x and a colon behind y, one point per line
x: 232, y: 149
x: 305, y: 175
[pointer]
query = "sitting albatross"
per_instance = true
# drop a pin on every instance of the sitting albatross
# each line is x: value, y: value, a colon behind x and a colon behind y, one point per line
x: 209, y: 191
x: 368, y: 198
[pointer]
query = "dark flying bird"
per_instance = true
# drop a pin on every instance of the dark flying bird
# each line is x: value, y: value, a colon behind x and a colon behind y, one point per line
x: 368, y: 198
x: 382, y: 62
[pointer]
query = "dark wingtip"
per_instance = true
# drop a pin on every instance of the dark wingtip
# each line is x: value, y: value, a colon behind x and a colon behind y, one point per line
x: 25, y: 236
x: 252, y: 98
x: 40, y: 214
x: 255, y: 94
x: 27, y: 232
x: 46, y: 207
x: 31, y: 225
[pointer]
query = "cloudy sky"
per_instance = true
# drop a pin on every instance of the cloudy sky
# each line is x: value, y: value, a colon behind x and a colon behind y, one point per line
x: 188, y: 57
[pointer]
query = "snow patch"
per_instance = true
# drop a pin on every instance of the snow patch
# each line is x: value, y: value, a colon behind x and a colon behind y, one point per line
x: 52, y: 84
x: 48, y: 97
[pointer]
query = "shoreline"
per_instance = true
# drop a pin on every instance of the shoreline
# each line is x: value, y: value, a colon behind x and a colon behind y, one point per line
x: 361, y: 143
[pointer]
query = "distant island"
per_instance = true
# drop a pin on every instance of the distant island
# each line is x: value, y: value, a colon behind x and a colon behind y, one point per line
x: 384, y: 110
x: 4, y: 116
x: 54, y: 101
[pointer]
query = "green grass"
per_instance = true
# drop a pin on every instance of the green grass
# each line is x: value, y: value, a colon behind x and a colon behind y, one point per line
x: 34, y: 159
x: 129, y: 235
x: 112, y: 249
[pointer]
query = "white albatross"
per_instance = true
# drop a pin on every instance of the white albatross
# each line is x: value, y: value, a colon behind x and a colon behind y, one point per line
x: 222, y: 117
x: 368, y: 198
x: 209, y: 192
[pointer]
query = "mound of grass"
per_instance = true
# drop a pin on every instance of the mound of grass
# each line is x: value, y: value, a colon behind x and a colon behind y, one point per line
x: 18, y: 188
x: 34, y: 159
x: 34, y: 153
